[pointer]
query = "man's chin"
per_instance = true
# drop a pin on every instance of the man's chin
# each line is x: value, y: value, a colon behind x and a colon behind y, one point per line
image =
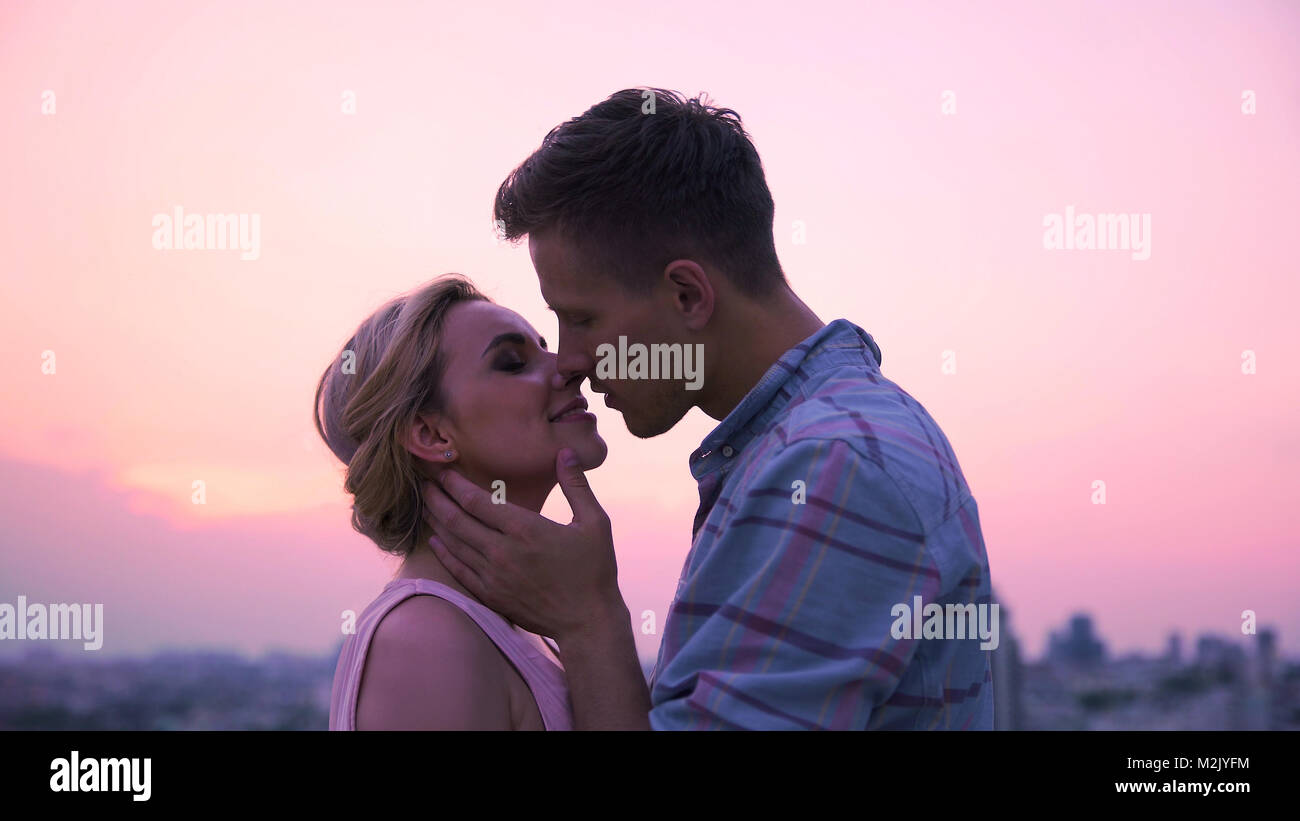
x: 643, y: 428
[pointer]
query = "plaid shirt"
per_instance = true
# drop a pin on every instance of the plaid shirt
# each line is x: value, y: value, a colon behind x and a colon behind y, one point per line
x: 827, y: 496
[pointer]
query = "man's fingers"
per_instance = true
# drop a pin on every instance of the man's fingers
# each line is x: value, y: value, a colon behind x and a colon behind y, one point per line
x: 448, y: 514
x: 474, y: 559
x: 463, y: 572
x: 426, y: 510
x: 573, y: 482
x: 504, y: 518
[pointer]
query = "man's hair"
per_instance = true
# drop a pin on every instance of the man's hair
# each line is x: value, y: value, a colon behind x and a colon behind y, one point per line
x: 644, y: 178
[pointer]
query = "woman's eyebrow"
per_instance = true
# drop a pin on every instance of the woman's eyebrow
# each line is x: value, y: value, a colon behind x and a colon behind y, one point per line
x: 511, y: 336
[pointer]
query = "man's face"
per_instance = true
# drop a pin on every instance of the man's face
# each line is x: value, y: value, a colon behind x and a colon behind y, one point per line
x: 592, y: 309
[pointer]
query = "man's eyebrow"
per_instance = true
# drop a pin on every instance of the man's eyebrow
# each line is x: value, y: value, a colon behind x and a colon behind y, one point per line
x: 513, y: 337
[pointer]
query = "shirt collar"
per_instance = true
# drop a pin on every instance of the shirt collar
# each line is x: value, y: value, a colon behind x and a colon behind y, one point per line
x: 838, y: 342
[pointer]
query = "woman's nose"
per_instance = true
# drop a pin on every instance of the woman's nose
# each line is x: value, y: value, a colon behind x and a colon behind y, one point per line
x: 561, y: 379
x: 572, y: 359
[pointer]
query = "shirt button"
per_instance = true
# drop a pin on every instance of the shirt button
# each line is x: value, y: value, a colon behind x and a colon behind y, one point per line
x: 728, y: 451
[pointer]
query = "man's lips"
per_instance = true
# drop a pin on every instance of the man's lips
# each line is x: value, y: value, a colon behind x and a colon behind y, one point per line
x: 606, y: 392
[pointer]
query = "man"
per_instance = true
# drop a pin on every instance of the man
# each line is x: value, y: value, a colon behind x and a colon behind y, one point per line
x: 828, y: 496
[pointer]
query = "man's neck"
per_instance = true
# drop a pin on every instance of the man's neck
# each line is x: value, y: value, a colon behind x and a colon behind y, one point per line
x: 759, y: 334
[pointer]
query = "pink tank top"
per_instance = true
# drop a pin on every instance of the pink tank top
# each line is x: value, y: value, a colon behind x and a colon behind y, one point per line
x: 543, y: 677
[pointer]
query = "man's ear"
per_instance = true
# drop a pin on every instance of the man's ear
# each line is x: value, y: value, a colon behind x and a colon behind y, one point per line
x: 428, y: 438
x: 691, y: 291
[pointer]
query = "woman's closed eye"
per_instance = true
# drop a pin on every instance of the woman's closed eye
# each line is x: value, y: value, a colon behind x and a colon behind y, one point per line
x: 511, y: 363
x: 513, y: 353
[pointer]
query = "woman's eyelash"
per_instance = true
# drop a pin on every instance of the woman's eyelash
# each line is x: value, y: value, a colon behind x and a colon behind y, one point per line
x: 516, y: 365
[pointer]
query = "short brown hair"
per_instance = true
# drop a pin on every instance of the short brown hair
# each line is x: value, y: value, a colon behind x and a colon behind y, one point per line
x: 636, y: 190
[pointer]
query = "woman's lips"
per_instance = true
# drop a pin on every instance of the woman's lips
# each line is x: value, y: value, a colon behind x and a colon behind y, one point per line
x: 575, y: 411
x: 575, y: 415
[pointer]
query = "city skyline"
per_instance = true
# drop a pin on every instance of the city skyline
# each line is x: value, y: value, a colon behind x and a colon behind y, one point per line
x: 1223, y: 685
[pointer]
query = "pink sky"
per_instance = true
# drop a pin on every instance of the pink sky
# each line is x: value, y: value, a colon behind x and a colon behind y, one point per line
x: 926, y: 229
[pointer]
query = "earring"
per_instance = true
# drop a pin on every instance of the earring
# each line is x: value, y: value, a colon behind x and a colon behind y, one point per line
x: 446, y: 454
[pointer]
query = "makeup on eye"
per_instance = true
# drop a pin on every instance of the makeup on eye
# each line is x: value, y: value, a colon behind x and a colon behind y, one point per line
x: 513, y: 337
x: 512, y: 364
x: 512, y: 359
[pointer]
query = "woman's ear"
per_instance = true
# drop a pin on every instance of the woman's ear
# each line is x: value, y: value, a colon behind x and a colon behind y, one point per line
x: 428, y: 439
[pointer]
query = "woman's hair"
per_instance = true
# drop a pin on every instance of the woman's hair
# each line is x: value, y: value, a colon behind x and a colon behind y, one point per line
x: 389, y: 372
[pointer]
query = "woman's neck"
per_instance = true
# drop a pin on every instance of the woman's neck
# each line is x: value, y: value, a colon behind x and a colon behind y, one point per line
x: 423, y: 563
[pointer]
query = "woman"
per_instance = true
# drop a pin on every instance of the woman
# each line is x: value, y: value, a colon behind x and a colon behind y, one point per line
x: 444, y: 376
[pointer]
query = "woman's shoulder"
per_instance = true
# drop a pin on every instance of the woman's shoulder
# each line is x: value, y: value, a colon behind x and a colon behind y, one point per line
x: 420, y: 619
x: 430, y: 666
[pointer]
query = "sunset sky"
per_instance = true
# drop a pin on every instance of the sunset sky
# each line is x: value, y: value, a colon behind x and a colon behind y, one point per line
x: 923, y: 225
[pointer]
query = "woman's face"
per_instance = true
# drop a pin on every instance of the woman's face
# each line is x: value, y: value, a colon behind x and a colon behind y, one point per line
x: 505, y: 411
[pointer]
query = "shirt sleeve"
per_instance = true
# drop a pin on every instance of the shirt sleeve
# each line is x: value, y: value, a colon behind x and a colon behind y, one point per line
x: 785, y: 620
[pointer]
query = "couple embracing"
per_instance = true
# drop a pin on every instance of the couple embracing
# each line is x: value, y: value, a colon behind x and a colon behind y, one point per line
x: 828, y: 495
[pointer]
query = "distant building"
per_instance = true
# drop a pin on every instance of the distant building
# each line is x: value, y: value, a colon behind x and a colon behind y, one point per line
x: 1008, y: 675
x: 1266, y: 656
x: 1257, y: 697
x: 1174, y: 649
x: 1078, y: 646
x: 1220, y: 657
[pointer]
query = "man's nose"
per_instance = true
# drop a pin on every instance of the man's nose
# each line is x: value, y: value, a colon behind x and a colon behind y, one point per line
x: 570, y: 365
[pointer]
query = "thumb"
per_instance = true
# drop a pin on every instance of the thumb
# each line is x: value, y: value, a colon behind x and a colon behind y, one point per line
x: 573, y: 482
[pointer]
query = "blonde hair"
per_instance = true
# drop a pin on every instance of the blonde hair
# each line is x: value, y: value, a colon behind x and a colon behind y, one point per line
x: 384, y: 376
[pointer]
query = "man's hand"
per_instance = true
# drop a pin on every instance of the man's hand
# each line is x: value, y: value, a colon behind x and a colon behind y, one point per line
x: 551, y: 579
